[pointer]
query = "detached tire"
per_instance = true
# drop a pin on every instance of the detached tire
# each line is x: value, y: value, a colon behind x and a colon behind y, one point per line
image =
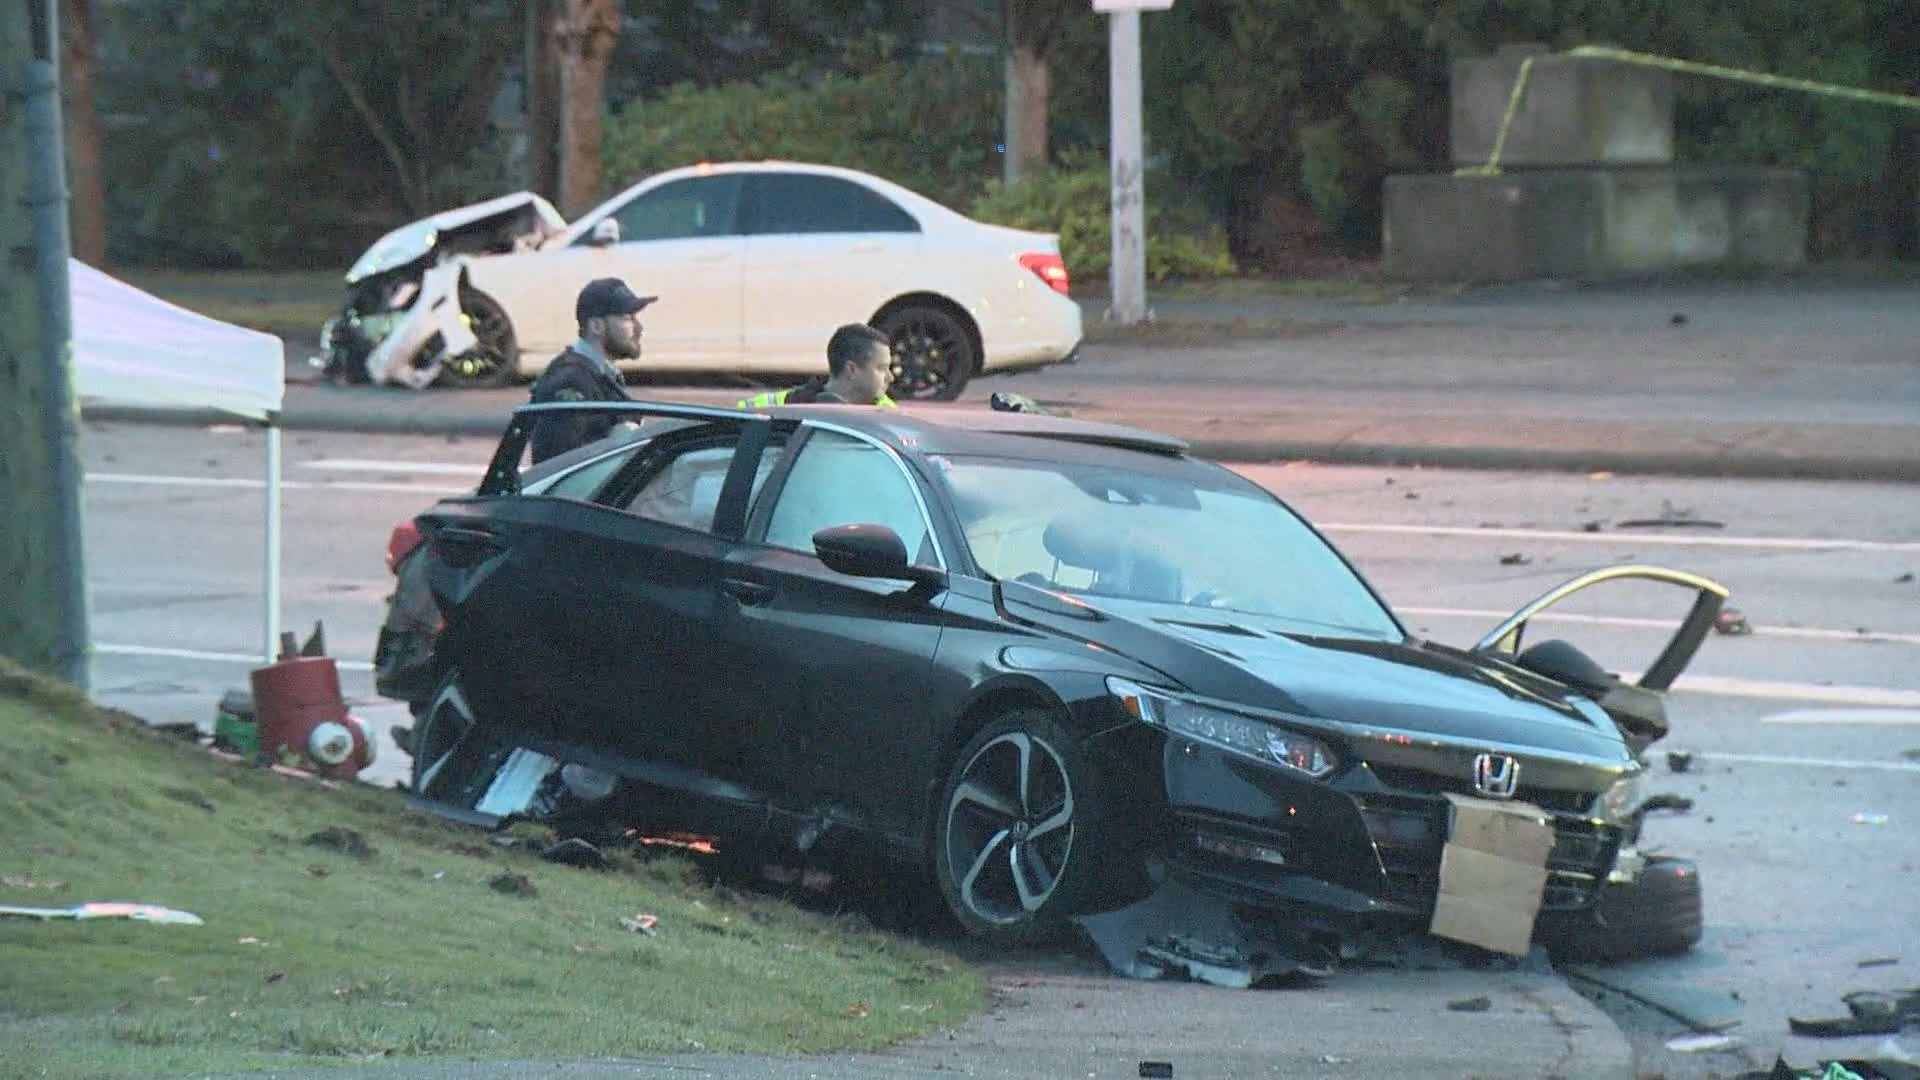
x: 1659, y: 914
x: 1019, y: 830
x: 933, y: 351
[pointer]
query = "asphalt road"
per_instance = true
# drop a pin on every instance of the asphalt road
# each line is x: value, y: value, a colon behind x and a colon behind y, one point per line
x: 1811, y: 719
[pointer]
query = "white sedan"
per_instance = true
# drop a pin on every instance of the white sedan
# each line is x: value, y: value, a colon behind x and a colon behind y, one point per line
x: 755, y: 265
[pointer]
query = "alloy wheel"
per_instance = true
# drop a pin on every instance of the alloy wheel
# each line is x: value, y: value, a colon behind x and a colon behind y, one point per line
x: 930, y: 355
x: 491, y: 360
x: 438, y: 735
x: 1010, y: 828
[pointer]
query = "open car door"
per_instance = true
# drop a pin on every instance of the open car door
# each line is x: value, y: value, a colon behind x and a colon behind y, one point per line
x: 1637, y: 708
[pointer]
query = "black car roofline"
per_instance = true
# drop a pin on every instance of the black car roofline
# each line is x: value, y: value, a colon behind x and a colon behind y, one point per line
x: 1113, y: 436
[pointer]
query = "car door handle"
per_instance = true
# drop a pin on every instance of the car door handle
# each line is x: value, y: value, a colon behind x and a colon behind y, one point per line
x: 747, y: 592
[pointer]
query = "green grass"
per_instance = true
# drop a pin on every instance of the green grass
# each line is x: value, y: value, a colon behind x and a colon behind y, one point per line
x: 310, y: 956
x: 291, y: 304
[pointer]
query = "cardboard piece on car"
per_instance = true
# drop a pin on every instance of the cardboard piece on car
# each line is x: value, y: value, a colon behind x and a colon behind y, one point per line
x: 1493, y: 871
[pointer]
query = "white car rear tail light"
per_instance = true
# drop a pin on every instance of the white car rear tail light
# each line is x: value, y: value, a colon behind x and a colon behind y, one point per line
x: 1051, y: 268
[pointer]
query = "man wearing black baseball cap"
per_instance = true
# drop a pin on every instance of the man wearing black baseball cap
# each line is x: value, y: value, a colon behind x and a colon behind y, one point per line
x: 609, y: 316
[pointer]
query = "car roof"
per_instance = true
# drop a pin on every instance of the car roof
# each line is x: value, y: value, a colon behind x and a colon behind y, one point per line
x: 974, y: 429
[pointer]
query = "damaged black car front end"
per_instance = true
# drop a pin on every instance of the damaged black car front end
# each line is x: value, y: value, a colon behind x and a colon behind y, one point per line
x: 1063, y: 670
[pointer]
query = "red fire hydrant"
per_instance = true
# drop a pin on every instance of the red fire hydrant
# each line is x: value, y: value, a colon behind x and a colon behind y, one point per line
x: 300, y: 714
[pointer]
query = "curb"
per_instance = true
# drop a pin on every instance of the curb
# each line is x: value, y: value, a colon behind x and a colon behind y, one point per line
x: 1742, y: 464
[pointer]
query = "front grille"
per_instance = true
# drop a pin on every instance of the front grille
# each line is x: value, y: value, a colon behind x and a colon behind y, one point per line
x: 1556, y: 800
x: 1410, y: 832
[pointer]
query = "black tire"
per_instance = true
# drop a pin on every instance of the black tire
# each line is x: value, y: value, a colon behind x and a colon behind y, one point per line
x: 438, y: 731
x: 1659, y: 914
x: 933, y: 352
x: 1013, y: 871
x: 495, y: 360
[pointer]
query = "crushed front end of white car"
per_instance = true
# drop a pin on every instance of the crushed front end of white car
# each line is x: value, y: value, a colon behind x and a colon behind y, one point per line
x: 408, y: 320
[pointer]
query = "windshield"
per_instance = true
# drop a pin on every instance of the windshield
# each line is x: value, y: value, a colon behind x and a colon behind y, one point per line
x: 1204, y: 539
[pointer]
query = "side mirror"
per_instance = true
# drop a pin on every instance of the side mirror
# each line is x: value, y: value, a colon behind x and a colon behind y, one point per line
x: 872, y: 551
x: 605, y: 231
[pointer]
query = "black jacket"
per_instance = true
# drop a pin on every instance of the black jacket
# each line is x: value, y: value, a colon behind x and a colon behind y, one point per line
x: 574, y: 376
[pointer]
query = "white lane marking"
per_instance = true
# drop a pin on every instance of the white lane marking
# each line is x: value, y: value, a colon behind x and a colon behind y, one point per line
x: 1881, y: 717
x: 1783, y: 543
x: 242, y: 482
x: 433, y: 468
x: 1807, y: 763
x: 1727, y: 686
x: 217, y: 657
x: 1809, y: 632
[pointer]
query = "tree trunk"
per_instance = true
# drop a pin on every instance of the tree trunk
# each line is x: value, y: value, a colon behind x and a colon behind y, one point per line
x: 588, y: 31
x: 1032, y: 26
x: 542, y: 100
x: 89, y: 207
x: 1029, y: 79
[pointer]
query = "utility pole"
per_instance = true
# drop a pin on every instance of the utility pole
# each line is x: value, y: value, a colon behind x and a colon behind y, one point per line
x: 43, y: 594
x: 1129, y: 266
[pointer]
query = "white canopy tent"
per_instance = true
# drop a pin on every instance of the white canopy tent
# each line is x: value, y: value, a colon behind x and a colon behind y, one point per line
x: 133, y: 350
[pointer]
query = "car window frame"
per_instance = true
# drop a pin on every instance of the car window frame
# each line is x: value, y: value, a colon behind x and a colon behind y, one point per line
x: 760, y: 514
x: 750, y: 216
x: 730, y: 230
x: 750, y: 438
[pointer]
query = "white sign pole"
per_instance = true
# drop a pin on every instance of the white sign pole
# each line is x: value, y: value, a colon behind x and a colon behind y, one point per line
x: 1129, y: 269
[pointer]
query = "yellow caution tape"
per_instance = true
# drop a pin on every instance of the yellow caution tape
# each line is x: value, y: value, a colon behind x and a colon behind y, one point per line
x: 1683, y: 67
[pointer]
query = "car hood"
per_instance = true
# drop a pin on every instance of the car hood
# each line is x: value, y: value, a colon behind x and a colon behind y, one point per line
x: 1367, y: 688
x: 416, y: 238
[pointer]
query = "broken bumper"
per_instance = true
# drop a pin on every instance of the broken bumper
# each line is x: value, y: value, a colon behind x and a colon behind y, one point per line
x: 1262, y: 872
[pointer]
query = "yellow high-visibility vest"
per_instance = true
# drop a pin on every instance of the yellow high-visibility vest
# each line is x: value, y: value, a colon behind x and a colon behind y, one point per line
x: 779, y: 397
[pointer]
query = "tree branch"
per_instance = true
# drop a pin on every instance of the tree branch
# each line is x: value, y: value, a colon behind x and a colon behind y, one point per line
x: 357, y: 97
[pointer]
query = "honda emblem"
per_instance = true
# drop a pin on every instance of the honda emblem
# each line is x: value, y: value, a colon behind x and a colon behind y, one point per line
x: 1497, y: 776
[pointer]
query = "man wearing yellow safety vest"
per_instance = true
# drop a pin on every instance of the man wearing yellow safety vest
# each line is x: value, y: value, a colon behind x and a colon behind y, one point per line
x: 859, y: 371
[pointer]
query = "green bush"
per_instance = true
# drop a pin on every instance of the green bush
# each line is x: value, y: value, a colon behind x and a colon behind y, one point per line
x: 931, y: 125
x: 1074, y: 199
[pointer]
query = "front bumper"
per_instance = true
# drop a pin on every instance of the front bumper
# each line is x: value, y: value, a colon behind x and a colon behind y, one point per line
x: 1363, y: 847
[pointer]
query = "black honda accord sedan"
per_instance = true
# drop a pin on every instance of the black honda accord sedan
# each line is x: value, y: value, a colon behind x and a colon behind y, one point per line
x: 1044, y: 662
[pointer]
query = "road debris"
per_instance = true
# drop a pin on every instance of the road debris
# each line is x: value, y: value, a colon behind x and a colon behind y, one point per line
x: 512, y: 884
x: 857, y: 1011
x: 344, y: 841
x: 1879, y: 961
x: 103, y: 909
x: 641, y: 924
x: 1668, y: 801
x: 1700, y: 1044
x: 1592, y: 526
x: 1732, y: 623
x: 1679, y: 760
x: 1869, y: 819
x: 1672, y: 517
x: 574, y: 851
x: 1156, y: 1070
x: 1515, y: 559
x: 1904, y: 579
x: 1472, y: 1004
x: 1873, y: 1012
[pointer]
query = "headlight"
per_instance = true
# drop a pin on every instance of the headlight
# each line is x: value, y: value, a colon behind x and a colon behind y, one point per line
x: 1618, y: 802
x: 1243, y: 735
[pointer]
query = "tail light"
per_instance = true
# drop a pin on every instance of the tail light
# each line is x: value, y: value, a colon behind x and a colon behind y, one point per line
x: 1051, y: 268
x: 406, y: 537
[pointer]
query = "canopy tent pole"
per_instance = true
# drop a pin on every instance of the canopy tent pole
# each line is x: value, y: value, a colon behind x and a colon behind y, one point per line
x: 271, y: 632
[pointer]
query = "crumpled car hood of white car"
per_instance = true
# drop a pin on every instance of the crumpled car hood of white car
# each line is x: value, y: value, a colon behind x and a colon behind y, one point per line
x: 414, y: 239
